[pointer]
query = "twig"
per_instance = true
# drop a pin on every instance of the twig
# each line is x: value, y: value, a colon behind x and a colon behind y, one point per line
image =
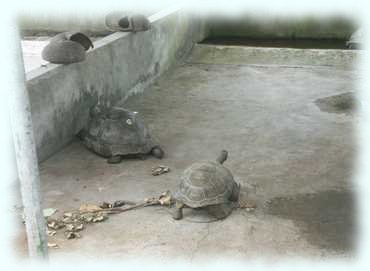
x: 118, y: 210
x: 143, y: 204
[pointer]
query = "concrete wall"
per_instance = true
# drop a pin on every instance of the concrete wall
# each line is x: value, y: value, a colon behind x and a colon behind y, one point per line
x: 120, y: 64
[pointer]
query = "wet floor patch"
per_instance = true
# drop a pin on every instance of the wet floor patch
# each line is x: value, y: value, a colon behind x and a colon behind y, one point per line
x: 326, y: 219
x: 344, y: 103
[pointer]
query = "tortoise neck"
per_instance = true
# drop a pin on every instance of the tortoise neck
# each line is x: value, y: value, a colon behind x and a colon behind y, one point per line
x: 222, y: 157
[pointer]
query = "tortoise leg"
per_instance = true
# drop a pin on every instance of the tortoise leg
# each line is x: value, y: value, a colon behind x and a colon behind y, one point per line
x: 235, y: 193
x: 142, y: 156
x: 81, y: 134
x: 177, y: 214
x: 220, y: 211
x: 116, y: 159
x: 157, y: 152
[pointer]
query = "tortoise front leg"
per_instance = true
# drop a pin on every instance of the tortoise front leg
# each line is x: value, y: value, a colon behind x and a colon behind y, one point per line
x: 177, y: 214
x: 116, y: 159
x: 235, y: 192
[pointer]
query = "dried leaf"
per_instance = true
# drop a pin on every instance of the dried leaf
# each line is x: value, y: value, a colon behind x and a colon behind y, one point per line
x: 70, y: 227
x: 165, y: 198
x: 51, y: 233
x: 99, y: 218
x: 55, y: 225
x: 49, y: 212
x: 105, y: 205
x: 87, y: 207
x: 72, y: 235
x: 79, y: 227
x: 68, y: 214
x: 67, y: 220
x: 53, y: 245
x: 160, y: 170
x: 87, y: 217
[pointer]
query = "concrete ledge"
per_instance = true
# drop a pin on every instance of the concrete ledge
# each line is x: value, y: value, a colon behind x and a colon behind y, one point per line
x: 217, y: 54
x: 120, y: 64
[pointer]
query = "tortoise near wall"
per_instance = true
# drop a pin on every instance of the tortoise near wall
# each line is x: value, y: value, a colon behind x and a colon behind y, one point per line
x: 117, y: 133
x: 119, y: 21
x: 67, y: 48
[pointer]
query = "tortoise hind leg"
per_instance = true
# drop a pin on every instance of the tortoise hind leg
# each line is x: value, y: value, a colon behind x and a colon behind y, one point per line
x: 116, y: 159
x: 235, y: 193
x: 157, y: 152
x: 177, y: 213
x: 220, y: 211
x: 142, y: 156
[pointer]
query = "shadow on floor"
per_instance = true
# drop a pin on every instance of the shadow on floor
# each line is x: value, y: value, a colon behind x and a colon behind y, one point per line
x: 343, y: 103
x: 326, y: 219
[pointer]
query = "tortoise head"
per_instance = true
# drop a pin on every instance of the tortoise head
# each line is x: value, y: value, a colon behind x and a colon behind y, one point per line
x: 222, y: 157
x: 81, y: 39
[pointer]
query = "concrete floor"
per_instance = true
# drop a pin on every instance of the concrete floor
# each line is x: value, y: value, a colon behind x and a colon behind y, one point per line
x: 293, y: 159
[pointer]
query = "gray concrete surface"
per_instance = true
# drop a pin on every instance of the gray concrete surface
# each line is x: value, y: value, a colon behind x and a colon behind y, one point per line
x: 291, y: 158
x: 32, y: 54
x: 119, y: 65
x: 242, y: 55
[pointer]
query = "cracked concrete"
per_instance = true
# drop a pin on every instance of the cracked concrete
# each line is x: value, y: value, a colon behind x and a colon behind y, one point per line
x: 281, y: 145
x: 199, y: 242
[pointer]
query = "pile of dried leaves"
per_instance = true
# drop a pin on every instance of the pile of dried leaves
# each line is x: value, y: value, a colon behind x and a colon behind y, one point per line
x: 73, y: 222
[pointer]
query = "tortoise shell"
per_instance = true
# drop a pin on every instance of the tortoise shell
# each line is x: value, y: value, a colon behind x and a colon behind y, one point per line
x: 66, y: 48
x: 116, y: 131
x: 206, y: 183
x: 120, y: 21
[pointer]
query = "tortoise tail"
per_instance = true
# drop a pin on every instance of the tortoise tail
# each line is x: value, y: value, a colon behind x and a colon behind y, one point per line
x: 222, y: 157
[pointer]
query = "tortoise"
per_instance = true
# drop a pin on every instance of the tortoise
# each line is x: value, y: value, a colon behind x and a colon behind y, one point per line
x: 207, y: 185
x: 118, y: 21
x: 66, y: 48
x: 116, y: 133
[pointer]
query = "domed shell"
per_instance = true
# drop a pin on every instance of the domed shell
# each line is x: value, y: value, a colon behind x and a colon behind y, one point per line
x: 65, y: 52
x: 205, y: 183
x: 121, y: 21
x: 66, y: 48
x: 117, y: 131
